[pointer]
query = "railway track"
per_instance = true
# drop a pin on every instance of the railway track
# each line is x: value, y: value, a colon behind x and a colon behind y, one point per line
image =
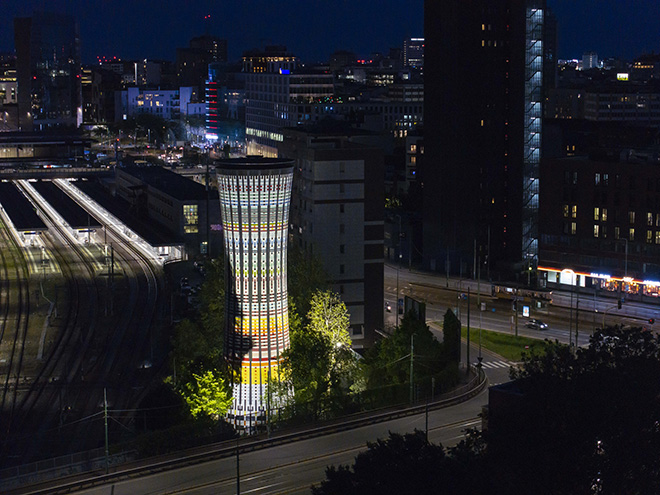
x: 46, y: 396
x: 94, y: 349
x: 15, y: 310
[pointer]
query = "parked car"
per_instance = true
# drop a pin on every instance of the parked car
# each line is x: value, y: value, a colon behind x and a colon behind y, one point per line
x: 536, y: 324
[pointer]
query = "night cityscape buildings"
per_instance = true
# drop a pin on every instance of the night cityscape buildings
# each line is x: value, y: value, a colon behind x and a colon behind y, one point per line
x: 337, y: 216
x: 527, y: 170
x: 481, y: 171
x: 255, y: 195
x: 48, y: 71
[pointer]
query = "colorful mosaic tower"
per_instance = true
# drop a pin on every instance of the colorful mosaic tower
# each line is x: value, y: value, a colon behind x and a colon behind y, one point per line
x: 255, y: 194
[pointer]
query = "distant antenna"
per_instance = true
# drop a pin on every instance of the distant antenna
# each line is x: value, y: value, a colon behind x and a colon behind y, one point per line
x: 207, y: 24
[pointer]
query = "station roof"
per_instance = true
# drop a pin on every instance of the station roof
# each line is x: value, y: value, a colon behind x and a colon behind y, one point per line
x: 73, y: 214
x: 19, y: 209
x: 121, y: 209
x: 170, y: 183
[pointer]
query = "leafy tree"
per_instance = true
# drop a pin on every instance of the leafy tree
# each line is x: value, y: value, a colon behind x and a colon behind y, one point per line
x: 207, y: 394
x: 451, y: 333
x: 305, y: 275
x: 319, y: 364
x: 388, y: 362
x: 408, y: 465
x: 197, y: 343
x: 591, y: 415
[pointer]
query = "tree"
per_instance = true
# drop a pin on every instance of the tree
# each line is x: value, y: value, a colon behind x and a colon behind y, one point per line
x: 305, y: 275
x: 591, y: 415
x: 387, y: 364
x: 197, y: 343
x: 408, y: 465
x: 207, y: 395
x: 319, y: 364
x: 451, y: 332
x: 572, y: 421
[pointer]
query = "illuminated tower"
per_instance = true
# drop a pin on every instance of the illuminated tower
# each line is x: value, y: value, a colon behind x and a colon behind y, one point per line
x: 212, y: 104
x: 255, y: 193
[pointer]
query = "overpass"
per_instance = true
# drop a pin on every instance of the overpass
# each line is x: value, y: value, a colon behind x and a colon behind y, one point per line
x: 54, y: 173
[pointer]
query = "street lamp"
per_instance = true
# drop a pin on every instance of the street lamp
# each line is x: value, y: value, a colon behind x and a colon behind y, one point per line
x: 398, y: 267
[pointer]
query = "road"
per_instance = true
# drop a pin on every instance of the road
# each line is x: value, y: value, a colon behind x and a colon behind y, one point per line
x: 293, y: 468
x: 440, y: 293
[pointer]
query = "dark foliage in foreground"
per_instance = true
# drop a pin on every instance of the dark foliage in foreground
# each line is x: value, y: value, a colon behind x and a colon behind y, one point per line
x: 572, y: 423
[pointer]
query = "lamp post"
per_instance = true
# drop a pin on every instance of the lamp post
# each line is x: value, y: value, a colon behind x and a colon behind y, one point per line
x: 625, y: 266
x: 398, y: 267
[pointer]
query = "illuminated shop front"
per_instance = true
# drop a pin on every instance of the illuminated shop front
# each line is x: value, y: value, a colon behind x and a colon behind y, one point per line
x: 602, y: 281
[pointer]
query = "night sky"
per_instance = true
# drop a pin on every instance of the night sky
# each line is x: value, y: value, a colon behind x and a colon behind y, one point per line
x: 313, y: 29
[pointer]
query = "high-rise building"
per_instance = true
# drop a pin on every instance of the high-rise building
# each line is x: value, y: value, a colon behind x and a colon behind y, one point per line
x: 48, y: 71
x: 482, y: 134
x: 279, y: 95
x: 192, y: 63
x: 413, y: 53
x: 255, y: 194
x: 337, y: 216
x: 589, y: 60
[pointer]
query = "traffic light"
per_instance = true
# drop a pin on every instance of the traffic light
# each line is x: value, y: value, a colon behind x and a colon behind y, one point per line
x: 651, y: 321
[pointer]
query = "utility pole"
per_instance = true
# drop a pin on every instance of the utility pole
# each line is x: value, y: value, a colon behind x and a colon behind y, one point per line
x: 412, y: 357
x: 468, y: 331
x: 238, y: 470
x: 105, y: 418
x: 570, y: 321
x: 479, y: 358
x: 474, y: 261
x: 447, y: 266
x: 112, y: 281
x: 577, y: 306
x: 208, y: 218
x: 516, y: 312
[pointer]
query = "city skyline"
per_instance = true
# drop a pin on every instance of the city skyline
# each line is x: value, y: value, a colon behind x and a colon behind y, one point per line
x: 119, y: 28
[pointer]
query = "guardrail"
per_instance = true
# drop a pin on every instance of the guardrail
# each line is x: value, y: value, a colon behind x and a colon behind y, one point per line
x: 248, y: 444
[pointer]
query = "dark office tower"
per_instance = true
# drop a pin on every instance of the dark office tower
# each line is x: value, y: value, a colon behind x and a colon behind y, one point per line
x: 192, y: 63
x: 483, y: 99
x: 48, y: 71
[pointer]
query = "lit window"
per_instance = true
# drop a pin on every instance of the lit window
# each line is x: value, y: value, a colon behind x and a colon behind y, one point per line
x: 649, y: 219
x: 413, y: 160
x: 191, y: 218
x: 657, y: 219
x: 596, y: 214
x: 566, y: 211
x: 603, y: 215
x: 631, y: 234
x: 573, y: 228
x: 597, y: 179
x: 657, y: 236
x: 574, y: 211
x: 413, y: 148
x: 596, y: 230
x: 631, y: 216
x: 649, y: 236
